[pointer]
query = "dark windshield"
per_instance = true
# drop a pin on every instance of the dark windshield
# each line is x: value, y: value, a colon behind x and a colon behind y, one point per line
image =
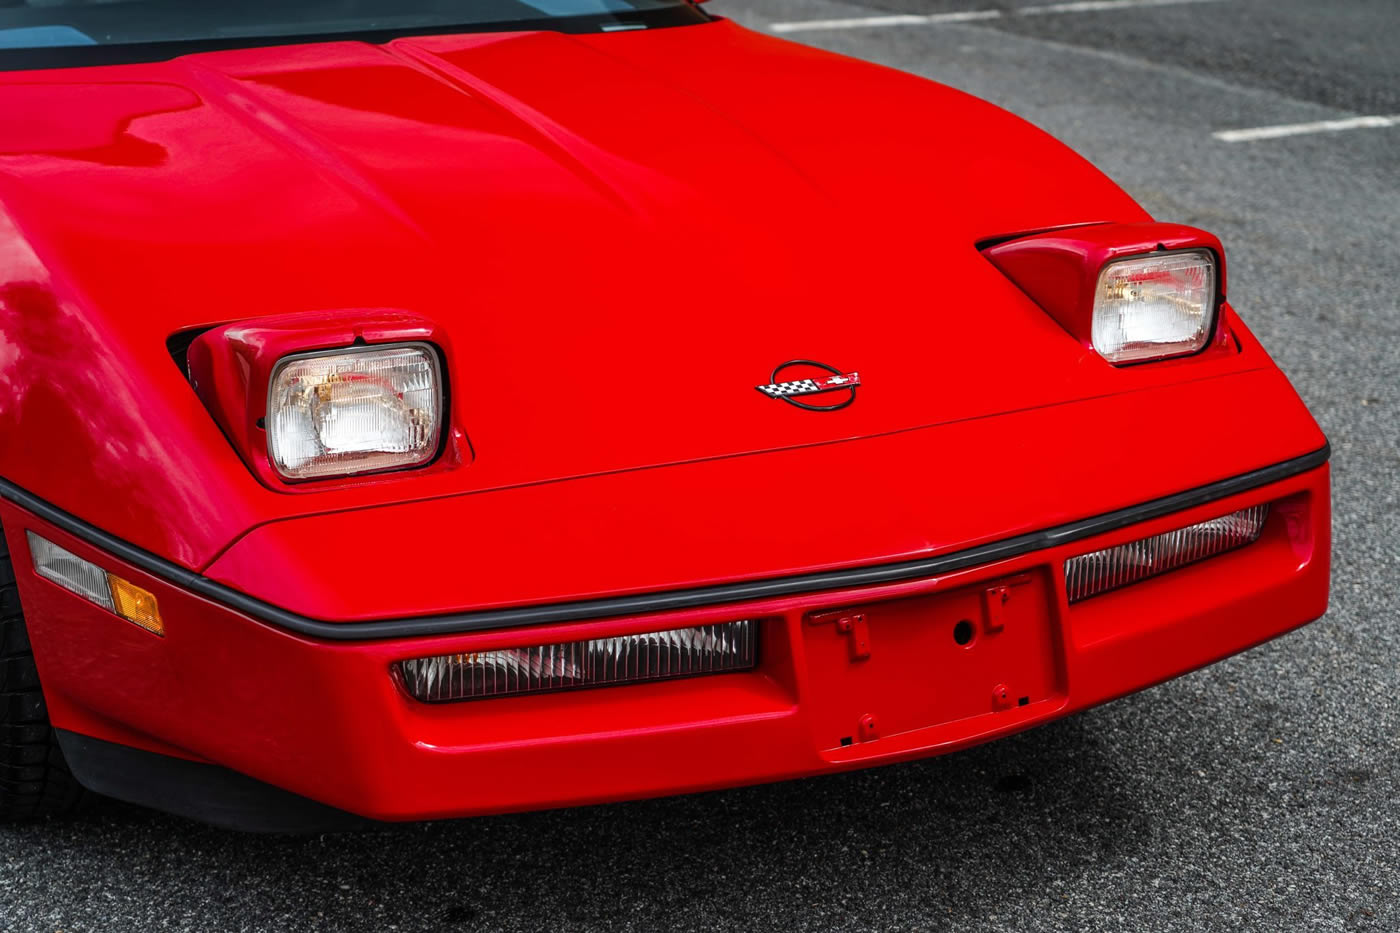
x: 50, y: 33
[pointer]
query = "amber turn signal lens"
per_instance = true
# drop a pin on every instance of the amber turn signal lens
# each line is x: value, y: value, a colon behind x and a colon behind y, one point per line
x: 135, y: 605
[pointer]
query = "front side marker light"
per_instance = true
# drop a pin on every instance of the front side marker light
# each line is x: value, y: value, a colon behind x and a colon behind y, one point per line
x: 357, y: 410
x: 97, y: 586
x: 1154, y: 306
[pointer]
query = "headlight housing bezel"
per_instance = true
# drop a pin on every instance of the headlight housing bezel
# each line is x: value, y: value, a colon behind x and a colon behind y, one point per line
x: 1061, y: 269
x: 231, y: 369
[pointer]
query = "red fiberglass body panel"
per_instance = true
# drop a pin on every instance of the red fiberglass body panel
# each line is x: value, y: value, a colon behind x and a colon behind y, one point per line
x: 618, y: 256
x: 903, y: 496
x: 617, y: 238
x: 325, y: 720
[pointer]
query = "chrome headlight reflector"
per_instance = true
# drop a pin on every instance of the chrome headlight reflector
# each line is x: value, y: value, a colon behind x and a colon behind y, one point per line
x: 1155, y: 306
x: 356, y: 410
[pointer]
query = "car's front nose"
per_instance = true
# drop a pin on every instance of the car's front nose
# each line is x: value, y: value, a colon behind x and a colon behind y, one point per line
x: 330, y: 721
x: 280, y: 661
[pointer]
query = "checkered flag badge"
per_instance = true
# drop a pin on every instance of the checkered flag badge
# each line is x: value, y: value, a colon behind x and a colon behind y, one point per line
x: 797, y: 387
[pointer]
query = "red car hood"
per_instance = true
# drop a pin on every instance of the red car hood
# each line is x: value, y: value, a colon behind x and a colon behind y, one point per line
x: 622, y: 235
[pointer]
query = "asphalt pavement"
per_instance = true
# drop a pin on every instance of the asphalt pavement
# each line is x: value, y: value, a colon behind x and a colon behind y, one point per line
x: 1258, y: 794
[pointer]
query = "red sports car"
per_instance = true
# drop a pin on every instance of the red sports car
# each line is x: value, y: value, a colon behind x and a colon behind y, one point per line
x: 429, y: 408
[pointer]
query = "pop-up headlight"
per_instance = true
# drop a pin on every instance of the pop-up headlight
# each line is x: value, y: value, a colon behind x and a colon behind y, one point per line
x: 360, y: 410
x: 1129, y: 292
x: 330, y: 395
x: 1154, y: 306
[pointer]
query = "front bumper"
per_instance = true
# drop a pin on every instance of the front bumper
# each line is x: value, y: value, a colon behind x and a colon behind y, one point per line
x: 326, y: 720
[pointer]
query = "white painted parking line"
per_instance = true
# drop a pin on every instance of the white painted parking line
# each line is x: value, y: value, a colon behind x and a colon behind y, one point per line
x: 972, y: 16
x: 1095, y: 6
x: 865, y: 22
x: 1304, y: 129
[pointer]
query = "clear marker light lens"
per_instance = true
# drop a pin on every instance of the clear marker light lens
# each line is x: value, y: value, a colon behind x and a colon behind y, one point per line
x: 681, y: 652
x: 1154, y: 306
x: 94, y: 584
x: 354, y: 411
x: 70, y: 571
x: 1101, y: 571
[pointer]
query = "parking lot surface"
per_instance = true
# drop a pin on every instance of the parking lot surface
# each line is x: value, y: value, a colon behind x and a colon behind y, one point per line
x: 1257, y: 794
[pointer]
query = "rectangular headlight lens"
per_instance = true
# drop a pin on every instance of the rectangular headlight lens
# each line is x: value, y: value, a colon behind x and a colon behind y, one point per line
x: 1155, y: 306
x: 1101, y: 571
x: 681, y: 652
x: 352, y: 411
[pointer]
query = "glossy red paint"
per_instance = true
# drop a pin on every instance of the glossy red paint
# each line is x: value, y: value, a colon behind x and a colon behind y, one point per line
x: 327, y: 720
x: 727, y: 218
x: 901, y: 496
x: 1060, y: 269
x: 610, y: 264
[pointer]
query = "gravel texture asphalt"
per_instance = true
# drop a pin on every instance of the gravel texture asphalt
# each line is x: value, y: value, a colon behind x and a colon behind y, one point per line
x: 1260, y: 793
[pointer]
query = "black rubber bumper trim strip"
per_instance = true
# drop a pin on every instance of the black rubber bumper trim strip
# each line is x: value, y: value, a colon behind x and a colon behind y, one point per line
x: 669, y: 600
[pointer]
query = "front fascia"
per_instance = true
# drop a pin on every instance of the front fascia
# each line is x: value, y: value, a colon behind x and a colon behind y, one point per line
x: 287, y: 710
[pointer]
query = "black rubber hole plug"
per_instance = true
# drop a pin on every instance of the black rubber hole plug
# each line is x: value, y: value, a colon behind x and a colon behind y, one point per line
x: 846, y: 740
x: 1023, y: 701
x: 962, y: 632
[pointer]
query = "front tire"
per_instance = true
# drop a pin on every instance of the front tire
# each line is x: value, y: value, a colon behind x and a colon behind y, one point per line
x: 34, y: 779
